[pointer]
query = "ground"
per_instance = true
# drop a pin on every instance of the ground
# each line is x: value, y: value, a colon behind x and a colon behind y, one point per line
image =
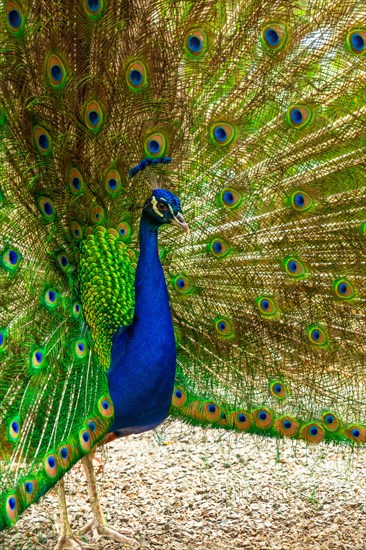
x: 182, y: 488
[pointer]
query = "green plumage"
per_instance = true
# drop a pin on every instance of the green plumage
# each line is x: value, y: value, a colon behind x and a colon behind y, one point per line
x: 107, y: 291
x: 261, y: 105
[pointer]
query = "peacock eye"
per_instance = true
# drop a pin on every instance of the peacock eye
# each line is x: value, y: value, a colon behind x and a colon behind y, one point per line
x: 162, y: 207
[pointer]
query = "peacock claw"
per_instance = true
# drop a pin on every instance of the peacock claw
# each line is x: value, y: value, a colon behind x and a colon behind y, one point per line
x: 66, y: 542
x: 100, y: 530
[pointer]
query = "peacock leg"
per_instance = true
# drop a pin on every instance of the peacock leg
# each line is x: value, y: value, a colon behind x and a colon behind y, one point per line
x: 99, y: 524
x: 66, y: 538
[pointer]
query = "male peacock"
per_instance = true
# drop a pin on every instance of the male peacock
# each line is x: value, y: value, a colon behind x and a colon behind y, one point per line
x: 261, y: 106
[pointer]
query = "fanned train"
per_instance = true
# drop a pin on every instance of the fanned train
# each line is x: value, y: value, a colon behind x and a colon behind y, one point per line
x: 253, y: 113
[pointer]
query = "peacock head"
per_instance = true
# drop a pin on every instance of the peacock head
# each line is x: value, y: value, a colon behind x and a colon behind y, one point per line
x: 163, y: 207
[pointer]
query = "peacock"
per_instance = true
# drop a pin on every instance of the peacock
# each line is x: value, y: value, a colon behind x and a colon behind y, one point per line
x: 236, y: 130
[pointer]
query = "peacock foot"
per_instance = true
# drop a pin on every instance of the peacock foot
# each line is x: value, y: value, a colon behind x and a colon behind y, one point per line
x: 102, y: 530
x: 70, y: 542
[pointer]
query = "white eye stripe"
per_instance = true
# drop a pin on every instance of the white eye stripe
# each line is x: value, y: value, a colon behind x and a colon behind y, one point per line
x: 171, y: 209
x: 154, y: 203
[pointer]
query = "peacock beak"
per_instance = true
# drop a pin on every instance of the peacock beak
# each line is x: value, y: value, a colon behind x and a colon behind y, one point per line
x: 179, y: 221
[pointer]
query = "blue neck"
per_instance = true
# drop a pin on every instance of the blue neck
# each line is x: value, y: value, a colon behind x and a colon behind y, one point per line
x: 143, y: 357
x: 151, y: 293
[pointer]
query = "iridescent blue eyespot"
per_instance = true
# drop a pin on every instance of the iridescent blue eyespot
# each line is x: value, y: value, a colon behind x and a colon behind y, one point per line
x: 274, y: 36
x: 342, y: 288
x: 263, y: 418
x: 39, y: 356
x: 136, y: 77
x: 12, y: 503
x: 106, y: 406
x: 93, y: 117
x: 299, y: 199
x: 194, y: 43
x: 271, y: 37
x: 211, y: 411
x: 296, y: 116
x: 64, y: 261
x: 48, y: 210
x: 179, y: 397
x: 313, y: 431
x: 317, y: 336
x: 224, y: 327
x: 76, y: 183
x: 287, y: 426
x: 56, y: 72
x: 10, y: 259
x: 299, y: 116
x: 14, y: 19
x: 217, y: 246
x: 86, y: 437
x: 329, y: 419
x: 64, y: 453
x: 228, y: 198
x: 220, y: 133
x: 93, y: 5
x: 153, y: 146
x: 242, y: 418
x: 3, y: 339
x: 356, y: 433
x: 28, y: 486
x: 51, y: 462
x: 81, y: 348
x: 181, y: 282
x: 112, y: 184
x: 43, y: 141
x: 50, y: 299
x: 267, y: 306
x: 15, y: 427
x: 294, y: 267
x: 357, y: 42
x: 13, y: 257
x: 92, y: 426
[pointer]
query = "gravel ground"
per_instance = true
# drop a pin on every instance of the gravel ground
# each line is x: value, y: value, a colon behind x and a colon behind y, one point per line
x: 183, y: 488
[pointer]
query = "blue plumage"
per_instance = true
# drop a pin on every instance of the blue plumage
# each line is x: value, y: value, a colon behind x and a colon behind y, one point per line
x: 143, y: 358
